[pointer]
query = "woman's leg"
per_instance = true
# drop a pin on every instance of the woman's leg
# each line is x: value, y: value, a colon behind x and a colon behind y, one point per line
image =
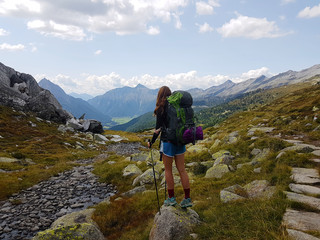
x: 167, y: 161
x: 179, y: 159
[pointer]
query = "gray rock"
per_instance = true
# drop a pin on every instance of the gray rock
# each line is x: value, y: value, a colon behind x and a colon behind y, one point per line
x: 300, y: 198
x: 99, y: 137
x: 8, y: 160
x: 217, y: 171
x: 260, y: 129
x: 303, y: 221
x: 255, y: 151
x: 298, y: 235
x: 146, y: 178
x: 173, y: 224
x: 317, y: 152
x: 134, y: 191
x: 78, y: 225
x: 131, y: 170
x: 304, y: 189
x: 305, y: 175
x: 233, y: 193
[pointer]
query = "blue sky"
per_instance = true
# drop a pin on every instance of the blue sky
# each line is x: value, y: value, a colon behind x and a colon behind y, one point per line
x: 92, y: 46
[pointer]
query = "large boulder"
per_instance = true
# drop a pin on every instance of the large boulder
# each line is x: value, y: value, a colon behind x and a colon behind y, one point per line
x: 173, y: 224
x: 131, y: 170
x: 217, y: 171
x: 22, y: 92
x: 77, y: 225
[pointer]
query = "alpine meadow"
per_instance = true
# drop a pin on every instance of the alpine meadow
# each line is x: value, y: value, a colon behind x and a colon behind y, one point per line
x: 159, y: 120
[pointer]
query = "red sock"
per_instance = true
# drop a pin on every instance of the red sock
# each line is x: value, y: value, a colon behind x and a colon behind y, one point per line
x: 171, y: 193
x: 186, y: 193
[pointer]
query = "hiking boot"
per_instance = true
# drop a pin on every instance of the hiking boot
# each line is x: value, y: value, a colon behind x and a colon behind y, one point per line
x: 186, y: 202
x: 170, y: 202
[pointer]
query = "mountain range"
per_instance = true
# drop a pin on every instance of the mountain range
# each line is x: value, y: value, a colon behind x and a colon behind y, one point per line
x: 76, y: 106
x: 126, y: 101
x: 139, y: 100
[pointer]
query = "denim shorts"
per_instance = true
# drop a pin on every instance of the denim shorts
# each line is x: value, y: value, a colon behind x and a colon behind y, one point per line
x: 171, y: 150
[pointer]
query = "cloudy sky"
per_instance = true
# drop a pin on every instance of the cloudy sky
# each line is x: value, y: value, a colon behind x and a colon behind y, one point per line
x: 92, y: 46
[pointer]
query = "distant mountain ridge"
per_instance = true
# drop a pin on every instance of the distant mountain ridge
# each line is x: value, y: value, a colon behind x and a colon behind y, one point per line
x: 126, y: 101
x: 76, y: 106
x: 229, y: 90
x: 83, y: 96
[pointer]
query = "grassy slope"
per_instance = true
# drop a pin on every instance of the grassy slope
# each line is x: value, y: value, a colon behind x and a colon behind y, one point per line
x: 50, y: 150
x: 292, y: 115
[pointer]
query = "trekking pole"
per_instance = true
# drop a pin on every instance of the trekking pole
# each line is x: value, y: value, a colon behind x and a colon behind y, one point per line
x: 154, y: 176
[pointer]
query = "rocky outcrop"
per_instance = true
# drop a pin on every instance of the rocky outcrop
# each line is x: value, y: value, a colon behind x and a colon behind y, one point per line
x: 22, y: 92
x: 255, y: 189
x: 77, y: 225
x: 36, y: 208
x: 173, y: 224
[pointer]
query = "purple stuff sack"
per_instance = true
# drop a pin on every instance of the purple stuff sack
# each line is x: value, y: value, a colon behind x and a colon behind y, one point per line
x: 189, y: 136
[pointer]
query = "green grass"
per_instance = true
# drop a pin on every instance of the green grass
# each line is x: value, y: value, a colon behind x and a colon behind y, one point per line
x: 121, y: 120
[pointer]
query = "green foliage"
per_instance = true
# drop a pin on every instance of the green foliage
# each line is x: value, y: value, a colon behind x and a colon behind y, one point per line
x: 199, y: 169
x: 274, y: 144
x: 295, y: 159
x: 127, y: 218
x: 112, y: 173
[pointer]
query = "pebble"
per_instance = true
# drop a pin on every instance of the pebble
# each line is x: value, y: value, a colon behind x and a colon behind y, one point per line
x: 70, y: 191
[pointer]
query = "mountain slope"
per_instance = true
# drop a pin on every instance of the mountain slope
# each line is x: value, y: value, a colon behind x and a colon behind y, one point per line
x: 143, y: 122
x: 126, y: 101
x: 76, y: 106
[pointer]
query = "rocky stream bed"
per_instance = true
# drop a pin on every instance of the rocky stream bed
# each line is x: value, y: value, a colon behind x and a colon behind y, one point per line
x: 36, y: 208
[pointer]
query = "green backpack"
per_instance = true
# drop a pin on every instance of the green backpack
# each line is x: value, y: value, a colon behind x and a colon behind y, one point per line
x: 180, y: 116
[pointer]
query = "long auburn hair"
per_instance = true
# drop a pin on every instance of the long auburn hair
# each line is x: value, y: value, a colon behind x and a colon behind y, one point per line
x: 163, y: 93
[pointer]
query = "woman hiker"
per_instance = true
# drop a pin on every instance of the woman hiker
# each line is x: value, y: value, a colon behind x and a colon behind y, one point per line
x: 170, y: 151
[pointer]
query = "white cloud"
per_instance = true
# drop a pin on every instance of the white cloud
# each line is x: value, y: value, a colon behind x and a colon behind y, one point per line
x: 98, y: 52
x: 58, y: 18
x: 249, y: 27
x: 9, y: 47
x: 19, y: 7
x: 3, y: 32
x: 97, y: 85
x: 153, y: 30
x: 252, y: 74
x: 204, y: 28
x: 309, y: 12
x: 54, y: 29
x: 206, y: 8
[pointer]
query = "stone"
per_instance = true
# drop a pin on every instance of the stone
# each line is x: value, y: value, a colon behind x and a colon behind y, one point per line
x: 317, y: 152
x: 220, y: 154
x: 297, y: 235
x: 256, y: 188
x: 255, y: 151
x: 257, y: 170
x: 99, y: 137
x: 197, y: 148
x: 146, y: 178
x: 260, y: 129
x: 305, y: 175
x: 304, y: 189
x: 233, y: 193
x: 224, y: 159
x: 261, y: 156
x: 139, y: 157
x: 8, y: 160
x: 233, y: 137
x: 216, y: 143
x: 300, y: 198
x: 173, y: 224
x: 300, y: 220
x: 134, y: 191
x: 217, y: 171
